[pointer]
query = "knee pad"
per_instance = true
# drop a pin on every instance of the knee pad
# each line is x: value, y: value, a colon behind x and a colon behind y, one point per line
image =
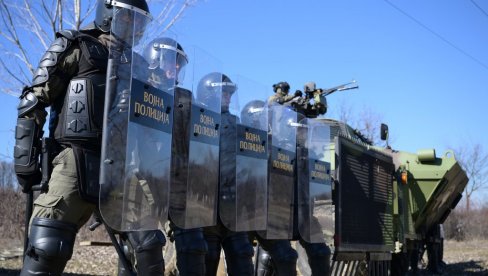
x: 50, y: 246
x: 148, y: 248
x: 146, y: 240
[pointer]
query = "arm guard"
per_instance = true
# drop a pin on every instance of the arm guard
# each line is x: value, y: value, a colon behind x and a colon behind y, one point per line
x: 27, y: 136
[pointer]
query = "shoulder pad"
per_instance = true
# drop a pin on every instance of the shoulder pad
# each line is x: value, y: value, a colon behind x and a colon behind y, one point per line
x: 50, y: 57
x: 69, y: 34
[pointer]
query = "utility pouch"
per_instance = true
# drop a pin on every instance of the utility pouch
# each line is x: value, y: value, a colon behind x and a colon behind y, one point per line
x: 88, y: 170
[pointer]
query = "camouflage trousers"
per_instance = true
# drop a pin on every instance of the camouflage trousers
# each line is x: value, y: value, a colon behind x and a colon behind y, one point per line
x: 62, y: 201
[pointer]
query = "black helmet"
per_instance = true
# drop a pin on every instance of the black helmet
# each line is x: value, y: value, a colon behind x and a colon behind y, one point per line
x: 168, y: 55
x: 283, y: 86
x: 104, y: 16
x: 212, y: 84
x: 253, y: 114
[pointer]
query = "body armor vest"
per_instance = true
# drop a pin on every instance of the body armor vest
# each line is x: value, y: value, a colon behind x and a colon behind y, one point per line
x: 80, y: 113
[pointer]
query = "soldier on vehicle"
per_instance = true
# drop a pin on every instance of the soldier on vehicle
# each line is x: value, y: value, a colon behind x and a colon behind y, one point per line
x: 236, y: 245
x: 281, y: 95
x: 71, y: 80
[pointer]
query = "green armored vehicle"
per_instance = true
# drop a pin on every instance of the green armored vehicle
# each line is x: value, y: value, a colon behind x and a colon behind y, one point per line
x: 386, y: 201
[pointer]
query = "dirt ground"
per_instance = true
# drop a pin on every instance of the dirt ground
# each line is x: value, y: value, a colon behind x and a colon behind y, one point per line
x: 462, y: 258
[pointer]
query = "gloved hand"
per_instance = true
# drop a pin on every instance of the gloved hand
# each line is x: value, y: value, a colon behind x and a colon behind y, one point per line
x: 298, y: 93
x: 26, y: 181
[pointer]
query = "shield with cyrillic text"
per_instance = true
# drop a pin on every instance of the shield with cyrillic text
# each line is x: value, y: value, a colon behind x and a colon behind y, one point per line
x: 316, y: 209
x: 137, y: 132
x: 281, y: 172
x: 244, y: 159
x: 196, y: 136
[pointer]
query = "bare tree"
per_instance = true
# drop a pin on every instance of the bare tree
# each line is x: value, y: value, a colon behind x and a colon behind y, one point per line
x: 474, y: 161
x: 7, y: 174
x: 28, y: 27
x: 365, y: 120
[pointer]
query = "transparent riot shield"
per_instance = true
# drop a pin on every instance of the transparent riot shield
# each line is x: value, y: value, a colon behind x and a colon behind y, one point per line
x: 244, y: 160
x: 137, y: 128
x: 282, y: 172
x: 316, y: 209
x: 195, y: 166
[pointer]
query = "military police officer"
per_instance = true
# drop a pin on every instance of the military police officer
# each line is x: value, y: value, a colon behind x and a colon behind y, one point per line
x: 71, y: 80
x: 236, y: 245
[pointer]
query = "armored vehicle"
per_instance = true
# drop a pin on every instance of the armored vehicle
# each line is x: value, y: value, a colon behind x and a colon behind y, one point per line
x: 386, y: 201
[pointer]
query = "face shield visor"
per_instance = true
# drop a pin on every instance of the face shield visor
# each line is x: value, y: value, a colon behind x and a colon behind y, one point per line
x: 128, y: 25
x: 168, y: 59
x: 227, y: 88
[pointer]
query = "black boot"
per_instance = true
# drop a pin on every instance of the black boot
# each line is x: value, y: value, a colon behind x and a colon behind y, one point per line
x: 50, y: 247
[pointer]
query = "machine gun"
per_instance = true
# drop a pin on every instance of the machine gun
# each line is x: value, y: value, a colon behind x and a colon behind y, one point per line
x: 314, y: 103
x: 325, y: 92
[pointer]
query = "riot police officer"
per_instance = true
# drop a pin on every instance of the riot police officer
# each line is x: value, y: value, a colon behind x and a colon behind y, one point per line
x: 236, y: 245
x: 163, y: 54
x: 162, y: 65
x: 278, y: 256
x: 71, y: 80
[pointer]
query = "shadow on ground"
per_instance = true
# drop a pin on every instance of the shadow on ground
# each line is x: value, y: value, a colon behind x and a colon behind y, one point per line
x: 5, y: 272
x: 466, y: 268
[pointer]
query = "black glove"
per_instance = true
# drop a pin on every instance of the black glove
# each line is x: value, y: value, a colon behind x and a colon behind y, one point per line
x: 27, y: 181
x: 298, y: 93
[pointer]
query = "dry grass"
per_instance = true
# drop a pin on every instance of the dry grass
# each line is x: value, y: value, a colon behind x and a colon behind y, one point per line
x: 462, y: 258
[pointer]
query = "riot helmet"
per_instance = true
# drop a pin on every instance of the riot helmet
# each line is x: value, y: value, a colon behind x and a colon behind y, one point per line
x: 253, y: 114
x: 282, y: 87
x: 126, y: 19
x: 210, y: 86
x: 167, y: 56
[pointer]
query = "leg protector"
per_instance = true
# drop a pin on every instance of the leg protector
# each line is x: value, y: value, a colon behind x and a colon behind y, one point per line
x: 213, y: 256
x: 191, y: 249
x: 148, y: 248
x: 283, y: 256
x: 318, y: 258
x: 264, y: 265
x: 238, y: 254
x: 50, y: 247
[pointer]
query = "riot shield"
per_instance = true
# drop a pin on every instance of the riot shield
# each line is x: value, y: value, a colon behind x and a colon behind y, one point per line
x: 282, y: 172
x: 137, y: 127
x: 195, y: 165
x: 315, y: 206
x: 243, y: 163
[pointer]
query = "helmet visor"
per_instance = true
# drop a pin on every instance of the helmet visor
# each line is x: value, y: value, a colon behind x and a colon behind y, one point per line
x: 169, y: 59
x: 128, y: 26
